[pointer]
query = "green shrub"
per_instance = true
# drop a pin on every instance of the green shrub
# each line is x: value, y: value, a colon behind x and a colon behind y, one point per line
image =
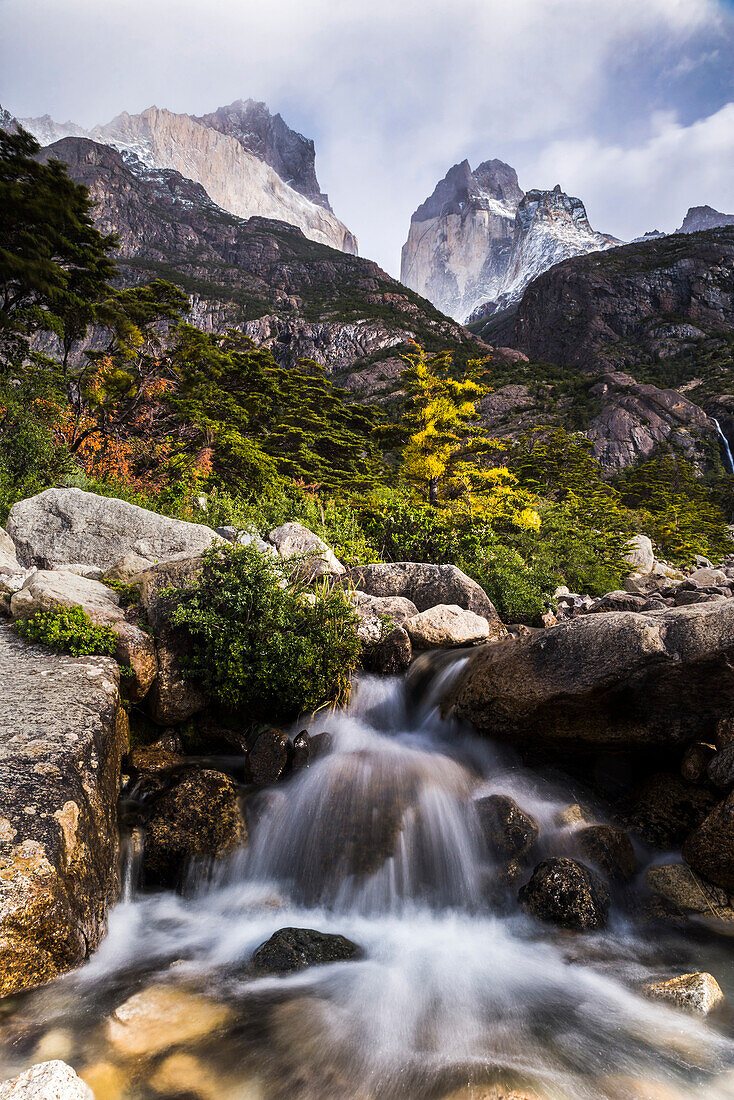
x: 68, y: 629
x: 257, y: 644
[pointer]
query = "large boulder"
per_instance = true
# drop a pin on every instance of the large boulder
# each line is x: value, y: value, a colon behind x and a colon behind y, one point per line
x: 622, y: 679
x: 447, y: 626
x: 395, y: 608
x: 68, y: 525
x: 64, y: 733
x: 316, y: 559
x: 391, y: 655
x: 197, y: 820
x: 426, y: 585
x: 639, y: 554
x: 8, y: 559
x: 564, y: 892
x: 46, y: 1081
x: 709, y: 849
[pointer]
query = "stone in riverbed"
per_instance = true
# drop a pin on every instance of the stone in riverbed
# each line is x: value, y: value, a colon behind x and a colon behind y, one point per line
x: 508, y: 830
x: 677, y: 884
x: 291, y: 949
x: 720, y: 769
x: 391, y: 655
x: 609, y: 849
x: 564, y: 892
x: 161, y: 1017
x: 69, y: 525
x: 46, y: 1081
x: 695, y: 993
x: 447, y: 626
x: 709, y: 849
x: 198, y: 819
x: 64, y: 733
x: 665, y: 808
x: 270, y: 756
x: 695, y: 760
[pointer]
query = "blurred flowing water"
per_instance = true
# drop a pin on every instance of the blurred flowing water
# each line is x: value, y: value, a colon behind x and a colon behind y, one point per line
x: 379, y: 841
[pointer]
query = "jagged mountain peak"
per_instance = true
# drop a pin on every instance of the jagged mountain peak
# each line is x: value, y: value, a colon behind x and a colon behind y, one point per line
x: 699, y: 218
x: 461, y: 188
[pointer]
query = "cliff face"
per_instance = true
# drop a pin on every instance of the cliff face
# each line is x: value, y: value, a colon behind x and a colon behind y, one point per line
x: 297, y: 296
x: 460, y: 239
x: 268, y: 138
x: 477, y: 242
x: 232, y: 164
x: 649, y: 300
x: 550, y: 226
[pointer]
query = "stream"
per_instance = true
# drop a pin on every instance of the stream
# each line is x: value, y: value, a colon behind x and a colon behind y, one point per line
x: 456, y: 990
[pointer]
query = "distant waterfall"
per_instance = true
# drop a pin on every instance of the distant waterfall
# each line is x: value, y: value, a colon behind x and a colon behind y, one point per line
x: 727, y: 448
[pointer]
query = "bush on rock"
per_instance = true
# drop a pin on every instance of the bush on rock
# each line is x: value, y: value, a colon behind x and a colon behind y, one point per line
x: 256, y: 644
x: 69, y: 630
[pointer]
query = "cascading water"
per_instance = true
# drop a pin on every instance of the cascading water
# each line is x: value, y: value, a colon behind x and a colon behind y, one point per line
x: 727, y: 448
x: 379, y: 841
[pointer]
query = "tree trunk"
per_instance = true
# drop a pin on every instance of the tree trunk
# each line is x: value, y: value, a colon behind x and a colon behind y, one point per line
x: 433, y: 491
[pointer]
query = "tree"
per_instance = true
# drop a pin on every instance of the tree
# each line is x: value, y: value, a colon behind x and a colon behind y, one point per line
x: 446, y: 455
x: 54, y: 264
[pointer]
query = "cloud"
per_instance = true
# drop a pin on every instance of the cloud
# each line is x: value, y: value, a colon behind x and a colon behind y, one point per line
x: 395, y: 91
x: 649, y: 186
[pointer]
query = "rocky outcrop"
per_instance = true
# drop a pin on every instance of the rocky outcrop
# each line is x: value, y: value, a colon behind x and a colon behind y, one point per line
x: 59, y: 526
x: 631, y: 304
x: 636, y: 420
x: 700, y: 218
x: 64, y: 733
x: 217, y: 152
x: 460, y: 239
x: 46, y: 1081
x: 622, y: 678
x: 425, y: 585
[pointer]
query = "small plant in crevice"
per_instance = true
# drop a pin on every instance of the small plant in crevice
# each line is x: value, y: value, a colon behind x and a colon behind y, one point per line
x: 68, y: 630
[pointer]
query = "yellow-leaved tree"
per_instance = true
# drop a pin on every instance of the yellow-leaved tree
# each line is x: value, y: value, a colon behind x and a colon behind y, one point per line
x: 445, y: 459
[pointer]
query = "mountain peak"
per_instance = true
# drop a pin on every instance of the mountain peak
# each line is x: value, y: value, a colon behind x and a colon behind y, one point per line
x: 699, y: 218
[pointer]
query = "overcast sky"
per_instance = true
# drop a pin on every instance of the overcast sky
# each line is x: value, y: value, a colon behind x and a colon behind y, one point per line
x: 627, y: 103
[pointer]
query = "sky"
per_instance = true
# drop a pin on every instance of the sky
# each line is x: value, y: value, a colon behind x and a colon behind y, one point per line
x: 628, y: 104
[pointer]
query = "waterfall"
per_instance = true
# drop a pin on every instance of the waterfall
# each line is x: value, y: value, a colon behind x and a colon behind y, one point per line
x: 727, y: 448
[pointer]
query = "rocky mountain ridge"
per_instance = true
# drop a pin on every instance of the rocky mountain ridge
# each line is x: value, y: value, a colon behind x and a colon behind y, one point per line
x: 237, y: 154
x: 477, y: 242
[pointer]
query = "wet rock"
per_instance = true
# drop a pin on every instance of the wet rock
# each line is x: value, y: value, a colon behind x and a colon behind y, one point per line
x: 609, y: 849
x: 695, y: 993
x: 152, y: 758
x: 64, y: 733
x: 46, y: 1081
x: 321, y: 744
x: 128, y: 568
x: 695, y: 761
x: 447, y: 626
x: 508, y: 830
x: 198, y: 819
x: 391, y: 655
x: 173, y: 697
x: 69, y: 525
x: 564, y: 892
x: 709, y: 849
x: 573, y: 816
x: 676, y: 884
x: 106, y: 1080
x: 623, y: 678
x: 720, y: 769
x: 181, y: 1075
x: 302, y: 749
x: 639, y: 554
x: 161, y: 1017
x: 665, y: 809
x: 270, y: 756
x: 293, y: 540
x: 425, y: 585
x: 291, y: 949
